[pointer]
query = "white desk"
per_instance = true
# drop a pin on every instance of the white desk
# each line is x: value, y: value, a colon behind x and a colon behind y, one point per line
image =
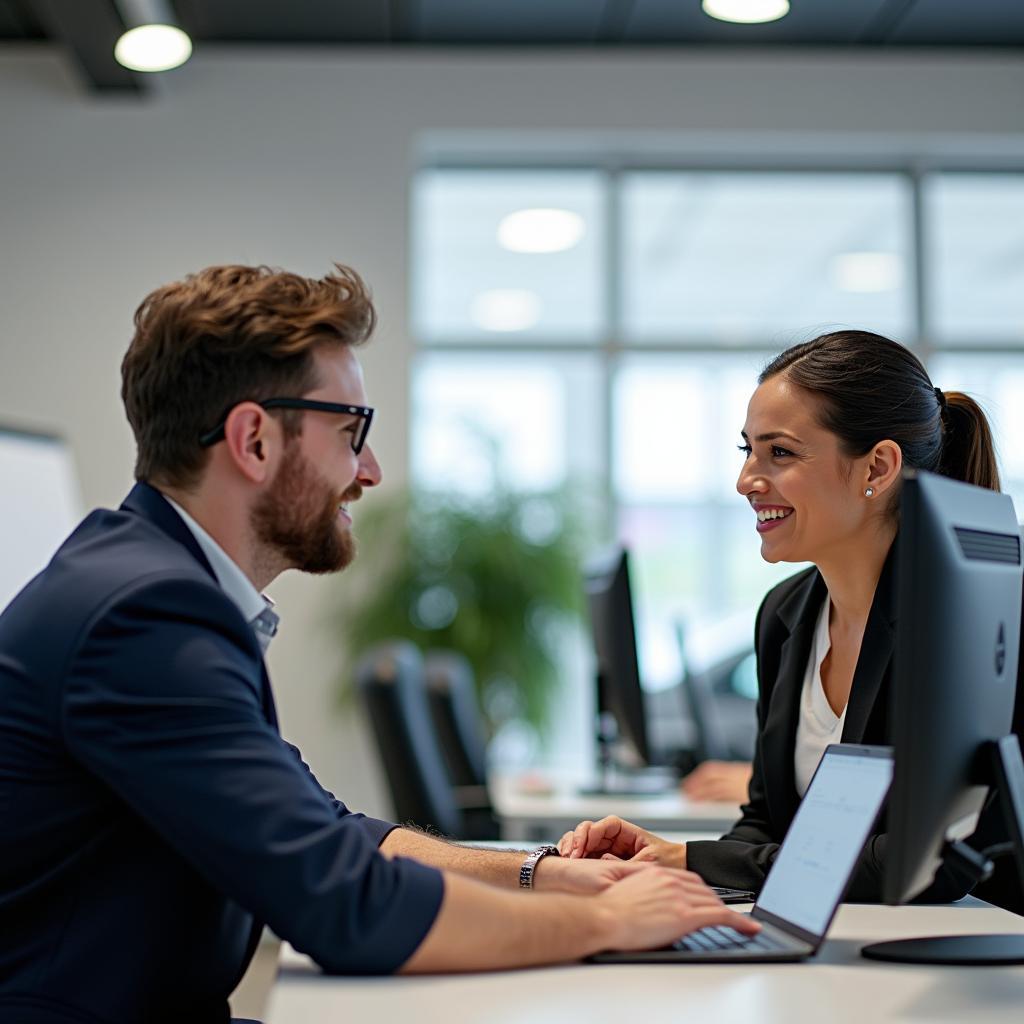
x: 838, y: 986
x: 531, y: 817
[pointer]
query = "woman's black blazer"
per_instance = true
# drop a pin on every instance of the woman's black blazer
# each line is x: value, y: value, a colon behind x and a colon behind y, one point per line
x: 783, y: 635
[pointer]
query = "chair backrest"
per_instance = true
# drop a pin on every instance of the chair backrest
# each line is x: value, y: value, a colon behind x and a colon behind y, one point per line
x: 725, y: 722
x: 710, y: 739
x: 459, y: 729
x: 390, y: 682
x: 456, y: 714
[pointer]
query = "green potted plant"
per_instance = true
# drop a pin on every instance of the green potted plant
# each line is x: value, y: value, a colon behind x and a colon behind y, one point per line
x: 496, y: 579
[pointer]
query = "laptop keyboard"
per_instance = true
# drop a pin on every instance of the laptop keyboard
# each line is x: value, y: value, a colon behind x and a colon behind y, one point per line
x: 714, y: 940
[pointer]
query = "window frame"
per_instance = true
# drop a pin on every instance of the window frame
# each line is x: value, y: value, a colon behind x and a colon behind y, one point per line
x: 612, y: 345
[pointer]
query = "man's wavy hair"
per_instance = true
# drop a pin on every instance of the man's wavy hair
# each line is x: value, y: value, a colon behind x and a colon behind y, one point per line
x: 226, y: 335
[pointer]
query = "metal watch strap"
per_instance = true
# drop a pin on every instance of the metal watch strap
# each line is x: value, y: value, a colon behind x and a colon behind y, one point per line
x: 530, y: 864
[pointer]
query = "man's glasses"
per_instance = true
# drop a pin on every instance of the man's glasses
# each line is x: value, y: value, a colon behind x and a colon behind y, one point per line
x: 364, y: 412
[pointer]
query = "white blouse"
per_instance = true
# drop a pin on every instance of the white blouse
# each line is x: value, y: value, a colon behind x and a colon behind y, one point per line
x: 819, y: 725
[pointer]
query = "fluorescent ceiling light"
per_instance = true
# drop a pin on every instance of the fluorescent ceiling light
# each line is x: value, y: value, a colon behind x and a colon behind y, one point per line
x: 746, y: 12
x: 867, y: 271
x: 506, y: 309
x: 153, y: 48
x: 152, y: 40
x: 540, y: 230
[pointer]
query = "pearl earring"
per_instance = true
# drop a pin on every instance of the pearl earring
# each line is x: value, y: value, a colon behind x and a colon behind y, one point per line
x: 869, y: 492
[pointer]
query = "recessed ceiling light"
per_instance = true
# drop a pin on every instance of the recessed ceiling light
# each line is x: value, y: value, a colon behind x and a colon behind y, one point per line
x: 540, y: 230
x: 506, y: 309
x: 867, y: 271
x: 746, y: 12
x: 153, y: 48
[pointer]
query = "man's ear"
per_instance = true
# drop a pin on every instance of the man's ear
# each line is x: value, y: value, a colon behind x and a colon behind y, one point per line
x: 882, y: 467
x: 252, y: 439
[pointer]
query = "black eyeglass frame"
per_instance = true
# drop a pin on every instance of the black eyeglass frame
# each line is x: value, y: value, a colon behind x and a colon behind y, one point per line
x: 364, y: 412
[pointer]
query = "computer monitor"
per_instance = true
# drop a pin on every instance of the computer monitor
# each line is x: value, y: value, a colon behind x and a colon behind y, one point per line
x: 958, y: 608
x: 39, y: 504
x: 619, y: 694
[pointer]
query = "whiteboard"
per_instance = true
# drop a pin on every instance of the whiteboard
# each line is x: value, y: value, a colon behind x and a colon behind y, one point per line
x: 40, y: 505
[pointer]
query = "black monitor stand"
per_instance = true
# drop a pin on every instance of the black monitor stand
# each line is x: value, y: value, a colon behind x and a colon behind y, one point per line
x: 1005, y: 773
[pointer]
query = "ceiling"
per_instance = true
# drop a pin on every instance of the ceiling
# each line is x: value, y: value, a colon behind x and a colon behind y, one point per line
x: 88, y: 28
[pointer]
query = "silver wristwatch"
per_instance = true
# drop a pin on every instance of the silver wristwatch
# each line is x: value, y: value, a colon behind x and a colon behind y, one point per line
x: 530, y: 864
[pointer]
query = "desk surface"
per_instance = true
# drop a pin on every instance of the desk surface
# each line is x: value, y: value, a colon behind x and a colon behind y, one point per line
x: 836, y: 986
x: 528, y: 816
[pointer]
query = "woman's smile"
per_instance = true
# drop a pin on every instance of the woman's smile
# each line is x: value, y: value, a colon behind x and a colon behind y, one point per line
x: 771, y: 517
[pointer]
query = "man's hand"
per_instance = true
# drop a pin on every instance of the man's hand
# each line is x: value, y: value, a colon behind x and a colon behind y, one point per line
x: 583, y: 877
x: 613, y: 838
x: 480, y: 927
x: 726, y: 781
x: 655, y: 907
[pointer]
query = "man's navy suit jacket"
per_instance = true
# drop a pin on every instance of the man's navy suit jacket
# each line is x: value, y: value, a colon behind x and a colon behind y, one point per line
x: 151, y: 817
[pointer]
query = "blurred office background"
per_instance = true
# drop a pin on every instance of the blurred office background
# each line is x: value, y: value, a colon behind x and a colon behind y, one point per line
x: 708, y: 194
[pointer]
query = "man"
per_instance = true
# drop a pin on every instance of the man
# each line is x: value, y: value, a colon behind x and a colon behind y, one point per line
x: 153, y: 818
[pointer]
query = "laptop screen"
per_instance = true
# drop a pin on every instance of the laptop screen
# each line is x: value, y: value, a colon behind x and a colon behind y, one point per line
x: 811, y: 869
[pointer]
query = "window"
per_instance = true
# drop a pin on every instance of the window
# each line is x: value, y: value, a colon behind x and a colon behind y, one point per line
x: 996, y: 381
x: 975, y: 258
x: 674, y: 461
x: 502, y: 255
x: 505, y: 418
x: 745, y: 258
x: 607, y: 328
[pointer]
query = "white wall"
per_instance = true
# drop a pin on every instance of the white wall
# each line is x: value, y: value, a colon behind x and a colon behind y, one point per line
x: 297, y: 159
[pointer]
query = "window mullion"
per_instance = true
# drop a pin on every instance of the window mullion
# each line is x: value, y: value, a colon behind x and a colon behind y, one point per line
x: 612, y: 344
x: 922, y: 344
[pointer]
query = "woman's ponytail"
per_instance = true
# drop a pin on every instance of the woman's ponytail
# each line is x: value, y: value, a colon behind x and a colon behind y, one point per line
x: 968, y: 451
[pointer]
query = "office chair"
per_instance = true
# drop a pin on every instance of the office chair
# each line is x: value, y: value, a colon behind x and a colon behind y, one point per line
x: 724, y: 720
x: 459, y: 728
x: 390, y: 682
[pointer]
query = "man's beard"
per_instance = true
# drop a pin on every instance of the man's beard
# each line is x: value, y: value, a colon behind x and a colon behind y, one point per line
x: 298, y: 518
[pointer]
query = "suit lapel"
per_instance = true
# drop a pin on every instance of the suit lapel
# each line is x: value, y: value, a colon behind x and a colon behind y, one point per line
x: 798, y: 614
x: 267, y: 696
x: 149, y: 503
x: 874, y: 661
x: 779, y: 740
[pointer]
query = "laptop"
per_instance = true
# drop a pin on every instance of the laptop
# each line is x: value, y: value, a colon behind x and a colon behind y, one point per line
x: 811, y: 871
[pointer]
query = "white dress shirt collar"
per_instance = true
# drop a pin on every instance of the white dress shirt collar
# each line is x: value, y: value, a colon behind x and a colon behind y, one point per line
x: 257, y: 608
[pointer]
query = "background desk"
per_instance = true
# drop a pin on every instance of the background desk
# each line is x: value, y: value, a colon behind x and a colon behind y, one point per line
x: 532, y: 817
x: 837, y: 986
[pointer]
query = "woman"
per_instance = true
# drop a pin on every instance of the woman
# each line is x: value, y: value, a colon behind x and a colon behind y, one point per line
x: 828, y: 431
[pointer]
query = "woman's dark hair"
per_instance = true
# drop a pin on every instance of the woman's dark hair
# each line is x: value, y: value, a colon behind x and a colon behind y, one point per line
x: 873, y: 389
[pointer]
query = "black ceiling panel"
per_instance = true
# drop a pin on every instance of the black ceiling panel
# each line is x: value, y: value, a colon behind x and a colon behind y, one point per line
x: 291, y: 21
x: 809, y: 22
x: 18, y: 21
x: 515, y: 22
x: 89, y: 29
x: 961, y: 23
x: 842, y: 23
